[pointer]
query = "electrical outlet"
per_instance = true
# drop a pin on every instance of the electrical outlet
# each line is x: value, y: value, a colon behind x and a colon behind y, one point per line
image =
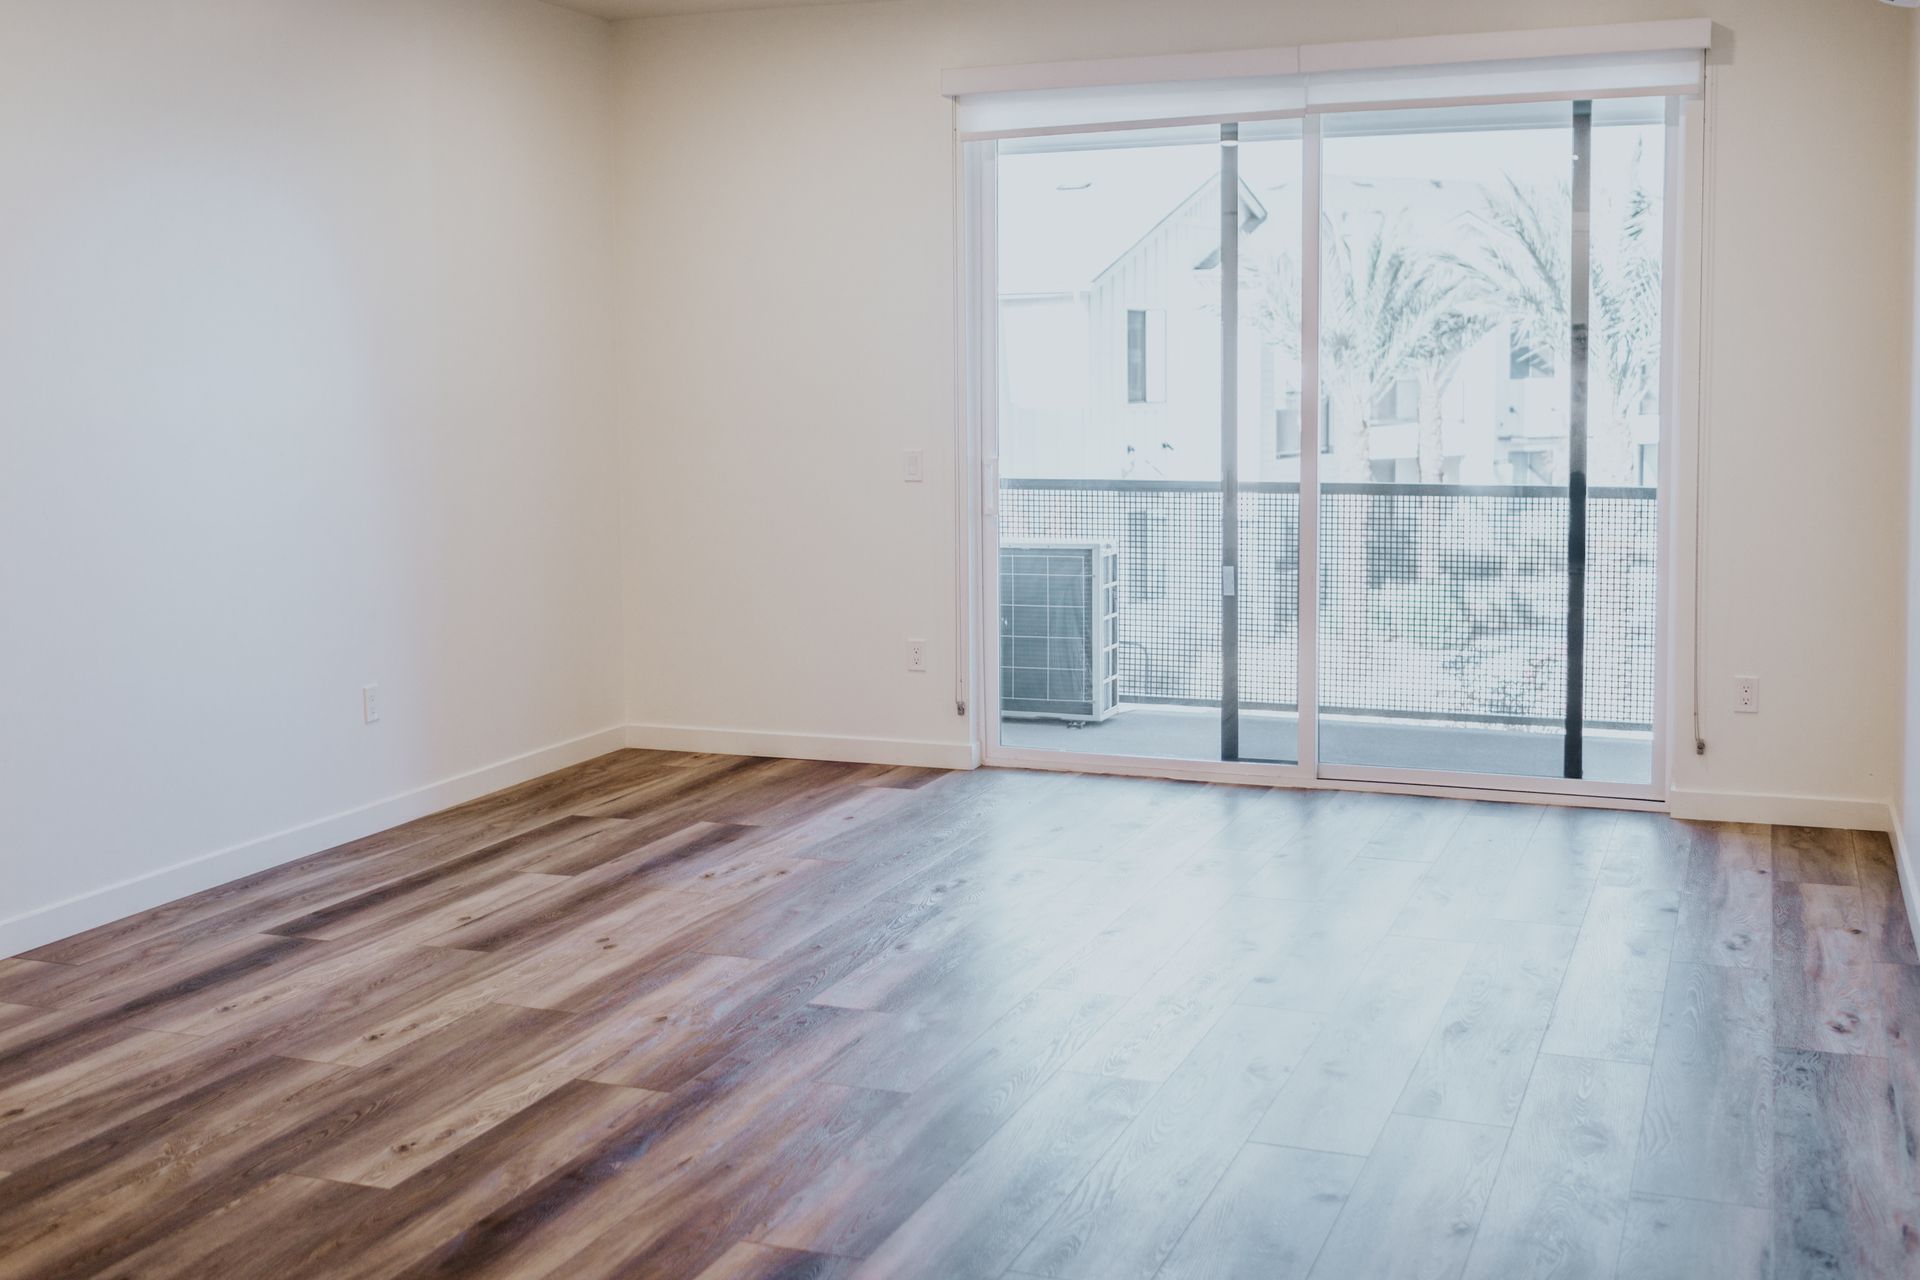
x: 1746, y: 694
x: 370, y: 702
x: 914, y: 466
x: 916, y: 655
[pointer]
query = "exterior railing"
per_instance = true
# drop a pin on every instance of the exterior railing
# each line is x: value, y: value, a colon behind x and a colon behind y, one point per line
x: 1436, y: 601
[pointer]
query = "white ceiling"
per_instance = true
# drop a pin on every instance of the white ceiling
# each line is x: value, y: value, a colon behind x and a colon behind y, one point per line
x: 659, y: 8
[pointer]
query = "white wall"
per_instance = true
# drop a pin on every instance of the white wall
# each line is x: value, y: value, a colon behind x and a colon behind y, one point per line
x: 1907, y: 807
x: 305, y: 383
x: 788, y: 231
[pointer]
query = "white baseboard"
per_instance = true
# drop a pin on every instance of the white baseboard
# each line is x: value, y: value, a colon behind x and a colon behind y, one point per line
x: 1790, y: 811
x: 805, y: 746
x: 50, y: 923
x: 1909, y: 871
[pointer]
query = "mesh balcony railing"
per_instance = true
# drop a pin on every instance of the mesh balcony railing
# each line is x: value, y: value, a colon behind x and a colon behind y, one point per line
x: 1443, y: 602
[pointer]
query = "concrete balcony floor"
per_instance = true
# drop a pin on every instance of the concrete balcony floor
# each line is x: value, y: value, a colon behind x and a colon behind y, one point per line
x: 1193, y: 733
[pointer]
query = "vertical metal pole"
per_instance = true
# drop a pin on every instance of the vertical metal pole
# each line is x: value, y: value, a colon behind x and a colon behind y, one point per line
x: 1229, y: 441
x: 1578, y: 289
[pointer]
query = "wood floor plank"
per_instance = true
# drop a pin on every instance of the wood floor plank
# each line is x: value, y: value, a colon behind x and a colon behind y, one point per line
x: 1157, y: 1027
x: 443, y: 1092
x: 1317, y: 949
x: 86, y: 1208
x: 748, y: 1261
x: 1647, y: 852
x: 1609, y: 1003
x: 1844, y: 1198
x: 1465, y: 886
x: 742, y: 1110
x: 1267, y: 1218
x: 1889, y: 929
x: 691, y: 1221
x: 979, y: 1220
x: 1814, y: 855
x: 1352, y: 1077
x: 309, y: 1228
x: 1476, y: 1064
x: 948, y: 1004
x: 1708, y: 1130
x: 1128, y: 1213
x: 894, y: 1168
x: 771, y: 995
x: 1129, y: 951
x: 1670, y: 1239
x: 1559, y: 1203
x: 240, y: 1237
x: 1824, y: 985
x: 1900, y: 1001
x: 1416, y: 830
x: 1726, y: 901
x: 103, y: 1082
x: 1559, y: 867
x: 1411, y: 1214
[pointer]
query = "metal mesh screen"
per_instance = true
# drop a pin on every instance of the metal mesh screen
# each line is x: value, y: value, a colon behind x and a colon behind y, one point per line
x: 1623, y: 588
x: 1436, y: 601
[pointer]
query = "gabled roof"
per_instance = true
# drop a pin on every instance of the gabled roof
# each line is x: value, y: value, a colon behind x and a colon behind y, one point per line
x: 1253, y: 212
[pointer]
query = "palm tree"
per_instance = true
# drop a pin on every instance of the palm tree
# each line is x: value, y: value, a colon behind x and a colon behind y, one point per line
x: 1387, y: 311
x: 1435, y: 358
x: 1518, y: 260
x: 1381, y: 299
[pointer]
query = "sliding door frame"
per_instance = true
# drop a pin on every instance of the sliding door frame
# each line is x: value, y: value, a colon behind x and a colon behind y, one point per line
x: 977, y: 454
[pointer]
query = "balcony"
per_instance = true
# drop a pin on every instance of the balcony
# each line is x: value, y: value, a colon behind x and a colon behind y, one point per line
x: 1442, y: 622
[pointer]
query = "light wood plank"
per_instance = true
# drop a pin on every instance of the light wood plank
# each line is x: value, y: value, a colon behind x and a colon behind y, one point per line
x: 1559, y: 1203
x: 1354, y: 1074
x: 1464, y: 887
x: 1669, y: 1239
x: 1413, y: 1211
x: 1708, y: 1132
x: 1268, y: 1217
x: 976, y: 1224
x: 1476, y: 1064
x: 1609, y: 1002
x: 1726, y: 901
x: 1559, y: 868
x: 1127, y: 1214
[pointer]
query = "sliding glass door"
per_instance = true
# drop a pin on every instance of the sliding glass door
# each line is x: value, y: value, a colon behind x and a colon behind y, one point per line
x: 1131, y: 402
x: 1359, y: 411
x: 1490, y: 338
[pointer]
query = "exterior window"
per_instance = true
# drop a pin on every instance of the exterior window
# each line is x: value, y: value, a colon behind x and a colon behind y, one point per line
x: 1399, y: 403
x: 1649, y: 465
x: 1286, y: 428
x: 1531, y: 466
x: 1525, y: 361
x: 1146, y: 357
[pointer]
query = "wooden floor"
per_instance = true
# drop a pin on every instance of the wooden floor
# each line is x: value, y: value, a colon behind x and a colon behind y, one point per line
x: 695, y: 1016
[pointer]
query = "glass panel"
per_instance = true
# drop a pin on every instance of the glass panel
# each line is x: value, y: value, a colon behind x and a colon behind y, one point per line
x: 1623, y: 448
x: 1109, y: 431
x: 1269, y: 442
x: 1444, y: 496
